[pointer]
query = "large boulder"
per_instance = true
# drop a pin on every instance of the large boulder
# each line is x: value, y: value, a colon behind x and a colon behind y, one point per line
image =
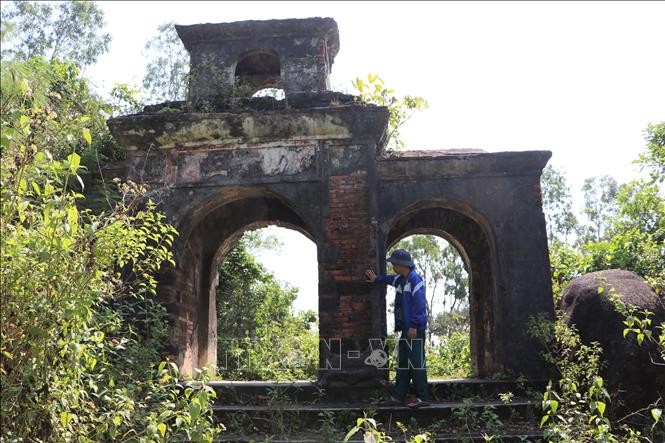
x: 630, y: 370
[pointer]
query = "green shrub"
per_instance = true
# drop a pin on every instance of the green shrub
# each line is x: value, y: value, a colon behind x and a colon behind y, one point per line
x: 81, y: 336
x: 577, y: 407
x: 451, y: 357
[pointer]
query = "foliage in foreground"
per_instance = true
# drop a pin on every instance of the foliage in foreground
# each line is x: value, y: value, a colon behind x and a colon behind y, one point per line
x: 579, y: 407
x: 451, y: 356
x: 372, y: 433
x: 81, y: 336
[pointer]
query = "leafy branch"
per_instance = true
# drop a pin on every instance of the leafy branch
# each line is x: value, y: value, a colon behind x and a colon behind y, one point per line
x: 373, y: 90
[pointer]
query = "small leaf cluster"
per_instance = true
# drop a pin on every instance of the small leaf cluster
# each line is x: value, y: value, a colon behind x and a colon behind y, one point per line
x: 372, y: 433
x: 373, y: 90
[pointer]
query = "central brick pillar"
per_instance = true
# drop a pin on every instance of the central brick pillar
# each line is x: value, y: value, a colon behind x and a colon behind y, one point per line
x: 348, y: 229
x: 350, y: 310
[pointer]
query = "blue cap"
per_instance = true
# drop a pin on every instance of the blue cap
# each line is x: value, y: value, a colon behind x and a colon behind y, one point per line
x: 400, y: 257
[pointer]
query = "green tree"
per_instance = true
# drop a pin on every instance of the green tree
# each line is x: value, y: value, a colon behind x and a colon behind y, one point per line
x: 632, y: 222
x: 455, y: 281
x: 654, y: 157
x: 636, y: 235
x: 449, y: 322
x: 373, y: 90
x: 167, y: 70
x: 125, y: 99
x: 599, y: 205
x: 258, y: 240
x: 58, y: 90
x: 70, y: 30
x: 257, y: 324
x: 557, y: 205
x: 57, y: 95
x: 566, y: 263
x: 245, y: 289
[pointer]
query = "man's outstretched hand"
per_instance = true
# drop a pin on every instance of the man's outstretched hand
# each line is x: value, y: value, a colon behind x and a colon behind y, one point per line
x: 370, y: 275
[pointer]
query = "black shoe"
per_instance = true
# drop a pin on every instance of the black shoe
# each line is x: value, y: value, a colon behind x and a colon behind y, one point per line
x: 418, y: 403
x: 392, y: 401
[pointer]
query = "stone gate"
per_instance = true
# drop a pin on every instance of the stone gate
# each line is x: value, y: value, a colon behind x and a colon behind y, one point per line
x: 223, y: 162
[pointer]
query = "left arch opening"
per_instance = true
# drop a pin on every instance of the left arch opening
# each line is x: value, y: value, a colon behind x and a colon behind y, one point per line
x: 209, y: 234
x: 267, y: 320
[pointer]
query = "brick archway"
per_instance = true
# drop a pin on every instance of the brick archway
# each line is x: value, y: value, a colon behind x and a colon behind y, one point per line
x: 316, y: 161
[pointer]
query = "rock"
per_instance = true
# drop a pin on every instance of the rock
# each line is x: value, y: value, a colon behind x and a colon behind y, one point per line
x: 630, y: 370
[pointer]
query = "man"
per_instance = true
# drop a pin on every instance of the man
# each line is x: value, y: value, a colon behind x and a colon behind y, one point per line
x: 411, y: 320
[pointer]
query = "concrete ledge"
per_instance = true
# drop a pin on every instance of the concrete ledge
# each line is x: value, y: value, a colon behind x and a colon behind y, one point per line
x: 420, y: 165
x: 189, y: 129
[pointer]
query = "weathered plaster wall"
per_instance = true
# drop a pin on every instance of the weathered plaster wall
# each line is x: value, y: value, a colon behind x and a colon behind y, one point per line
x: 489, y: 205
x: 328, y: 179
x: 219, y: 165
x: 305, y: 51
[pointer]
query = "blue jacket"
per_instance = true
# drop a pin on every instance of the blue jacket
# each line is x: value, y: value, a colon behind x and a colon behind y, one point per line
x: 410, y: 301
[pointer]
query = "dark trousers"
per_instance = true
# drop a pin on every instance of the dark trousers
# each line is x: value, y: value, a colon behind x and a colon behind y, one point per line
x: 411, y: 366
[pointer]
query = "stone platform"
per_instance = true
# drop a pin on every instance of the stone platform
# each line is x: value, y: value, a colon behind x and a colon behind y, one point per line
x: 460, y: 410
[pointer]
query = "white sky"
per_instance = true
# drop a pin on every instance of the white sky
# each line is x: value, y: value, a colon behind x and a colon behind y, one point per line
x: 580, y: 79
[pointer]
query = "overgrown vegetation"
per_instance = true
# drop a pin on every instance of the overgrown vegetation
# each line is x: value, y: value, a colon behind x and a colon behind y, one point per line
x: 82, y: 339
x: 371, y: 432
x: 625, y: 229
x: 373, y: 90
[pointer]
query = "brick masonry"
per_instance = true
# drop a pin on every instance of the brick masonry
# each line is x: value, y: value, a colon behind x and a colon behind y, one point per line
x: 315, y: 162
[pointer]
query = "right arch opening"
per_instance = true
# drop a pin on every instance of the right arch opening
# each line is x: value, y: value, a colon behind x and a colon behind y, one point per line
x: 470, y: 240
x: 447, y: 296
